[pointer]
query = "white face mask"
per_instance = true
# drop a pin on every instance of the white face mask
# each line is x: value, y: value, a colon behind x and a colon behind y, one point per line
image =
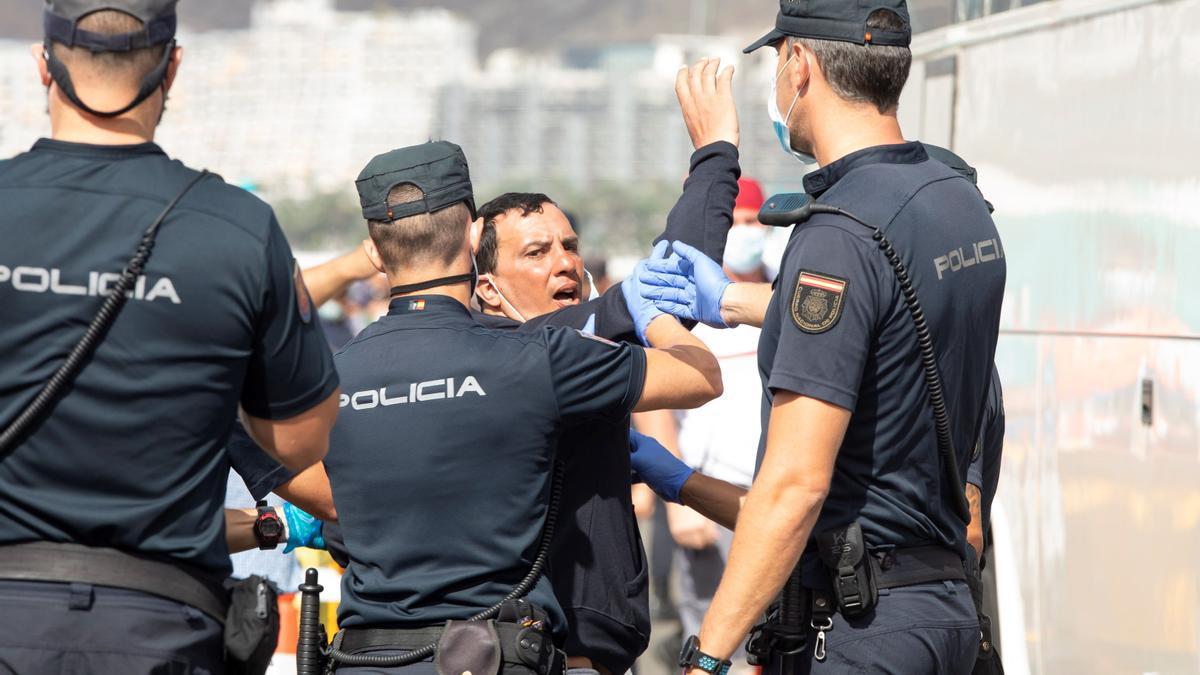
x: 505, y: 301
x: 592, y: 292
x: 744, y: 248
x: 780, y: 122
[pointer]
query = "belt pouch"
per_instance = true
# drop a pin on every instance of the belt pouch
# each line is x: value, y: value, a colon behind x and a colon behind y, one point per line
x: 251, y: 626
x: 468, y: 646
x: 851, y: 569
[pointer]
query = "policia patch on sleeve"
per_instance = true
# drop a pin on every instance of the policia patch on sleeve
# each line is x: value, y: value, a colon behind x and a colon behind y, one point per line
x: 817, y: 301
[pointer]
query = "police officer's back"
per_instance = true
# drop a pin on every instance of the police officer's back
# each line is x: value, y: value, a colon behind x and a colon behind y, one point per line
x: 447, y: 429
x: 851, y: 472
x: 129, y: 458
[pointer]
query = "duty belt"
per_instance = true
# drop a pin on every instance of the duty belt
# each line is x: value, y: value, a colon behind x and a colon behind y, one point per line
x: 67, y: 563
x: 520, y: 645
x: 784, y: 630
x: 919, y: 565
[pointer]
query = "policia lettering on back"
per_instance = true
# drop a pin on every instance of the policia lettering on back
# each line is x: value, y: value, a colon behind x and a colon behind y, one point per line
x: 61, y: 25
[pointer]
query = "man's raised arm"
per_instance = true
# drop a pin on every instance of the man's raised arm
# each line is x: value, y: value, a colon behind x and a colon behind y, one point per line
x: 704, y: 212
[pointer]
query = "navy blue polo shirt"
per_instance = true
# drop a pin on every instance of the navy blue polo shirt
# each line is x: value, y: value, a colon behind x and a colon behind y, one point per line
x: 441, y: 459
x: 837, y: 330
x: 133, y: 456
x: 984, y: 472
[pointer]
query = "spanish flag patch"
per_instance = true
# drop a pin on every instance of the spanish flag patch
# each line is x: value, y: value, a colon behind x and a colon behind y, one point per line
x: 817, y: 301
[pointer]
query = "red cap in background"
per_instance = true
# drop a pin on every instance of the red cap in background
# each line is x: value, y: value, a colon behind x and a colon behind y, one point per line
x: 750, y: 195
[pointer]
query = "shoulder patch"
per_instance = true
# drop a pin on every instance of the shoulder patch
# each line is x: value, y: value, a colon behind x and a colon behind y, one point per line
x: 597, y: 338
x: 303, y: 300
x: 817, y: 301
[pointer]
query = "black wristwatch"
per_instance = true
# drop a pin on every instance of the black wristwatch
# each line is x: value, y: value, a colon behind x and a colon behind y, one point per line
x: 268, y: 527
x: 692, y: 657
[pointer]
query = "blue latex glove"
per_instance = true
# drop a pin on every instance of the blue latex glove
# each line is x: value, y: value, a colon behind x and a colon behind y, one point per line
x: 640, y: 308
x: 303, y: 529
x: 657, y: 467
x: 689, y: 285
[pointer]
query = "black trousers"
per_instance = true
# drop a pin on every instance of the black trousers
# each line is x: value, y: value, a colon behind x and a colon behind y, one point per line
x: 69, y: 629
x: 930, y: 629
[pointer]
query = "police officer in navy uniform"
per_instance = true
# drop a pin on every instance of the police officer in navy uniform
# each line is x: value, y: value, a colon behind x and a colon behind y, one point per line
x: 111, y: 529
x: 447, y: 429
x: 849, y: 456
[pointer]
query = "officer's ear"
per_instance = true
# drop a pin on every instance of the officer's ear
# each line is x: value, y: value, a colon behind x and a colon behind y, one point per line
x: 173, y: 67
x: 476, y: 234
x: 489, y: 297
x: 373, y: 255
x: 801, y: 69
x: 38, y: 51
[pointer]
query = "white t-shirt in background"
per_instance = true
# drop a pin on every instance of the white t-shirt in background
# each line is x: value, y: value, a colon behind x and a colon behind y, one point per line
x: 720, y: 439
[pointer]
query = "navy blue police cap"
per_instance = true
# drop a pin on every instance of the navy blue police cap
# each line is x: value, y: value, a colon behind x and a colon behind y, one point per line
x: 60, y: 20
x: 439, y: 169
x: 838, y: 20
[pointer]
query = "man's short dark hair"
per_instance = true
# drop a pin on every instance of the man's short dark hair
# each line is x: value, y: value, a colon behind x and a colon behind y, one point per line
x: 525, y: 202
x: 868, y: 73
x: 120, y: 68
x: 421, y: 239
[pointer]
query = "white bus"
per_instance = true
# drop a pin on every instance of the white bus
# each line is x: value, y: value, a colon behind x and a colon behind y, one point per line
x: 1083, y: 119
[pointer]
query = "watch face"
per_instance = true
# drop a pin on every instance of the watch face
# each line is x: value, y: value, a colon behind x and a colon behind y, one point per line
x: 687, y: 655
x: 270, y: 527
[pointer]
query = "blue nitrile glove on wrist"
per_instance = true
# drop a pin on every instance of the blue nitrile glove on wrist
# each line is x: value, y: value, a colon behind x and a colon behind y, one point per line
x: 303, y: 529
x: 641, y: 308
x: 657, y: 467
x: 689, y: 285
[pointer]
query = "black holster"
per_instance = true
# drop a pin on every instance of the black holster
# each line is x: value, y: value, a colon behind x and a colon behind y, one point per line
x: 783, y: 630
x: 852, y: 570
x: 987, y: 659
x: 251, y: 626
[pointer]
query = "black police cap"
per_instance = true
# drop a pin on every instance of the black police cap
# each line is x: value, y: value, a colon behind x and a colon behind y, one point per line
x: 438, y: 169
x: 839, y: 20
x: 61, y: 18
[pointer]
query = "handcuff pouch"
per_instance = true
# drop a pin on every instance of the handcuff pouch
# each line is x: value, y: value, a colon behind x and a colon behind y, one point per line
x: 851, y: 568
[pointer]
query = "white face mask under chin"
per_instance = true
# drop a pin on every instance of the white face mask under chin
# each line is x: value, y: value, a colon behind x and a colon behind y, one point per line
x: 592, y: 292
x: 505, y: 301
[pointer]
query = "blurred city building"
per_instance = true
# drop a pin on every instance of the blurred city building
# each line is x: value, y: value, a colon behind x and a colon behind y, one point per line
x: 302, y: 97
x: 298, y: 101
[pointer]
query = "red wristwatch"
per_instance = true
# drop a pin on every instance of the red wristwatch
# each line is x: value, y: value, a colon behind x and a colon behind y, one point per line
x: 268, y: 527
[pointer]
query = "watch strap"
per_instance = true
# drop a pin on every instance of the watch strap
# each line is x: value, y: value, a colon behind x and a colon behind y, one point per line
x: 692, y: 657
